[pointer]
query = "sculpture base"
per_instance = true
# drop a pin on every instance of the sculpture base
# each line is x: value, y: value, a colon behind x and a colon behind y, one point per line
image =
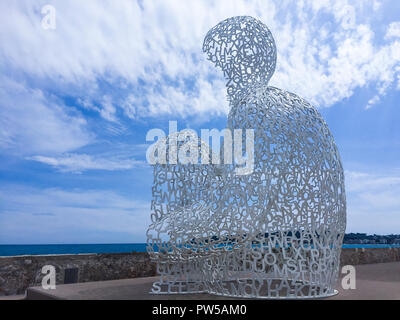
x: 334, y: 293
x: 268, y: 288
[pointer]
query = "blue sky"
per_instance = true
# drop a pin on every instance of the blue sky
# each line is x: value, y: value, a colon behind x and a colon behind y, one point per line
x: 76, y: 104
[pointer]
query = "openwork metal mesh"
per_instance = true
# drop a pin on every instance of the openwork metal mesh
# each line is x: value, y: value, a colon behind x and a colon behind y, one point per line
x: 276, y: 232
x: 245, y: 51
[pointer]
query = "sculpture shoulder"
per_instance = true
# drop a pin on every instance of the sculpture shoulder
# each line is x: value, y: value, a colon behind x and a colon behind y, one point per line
x: 274, y: 104
x: 277, y: 99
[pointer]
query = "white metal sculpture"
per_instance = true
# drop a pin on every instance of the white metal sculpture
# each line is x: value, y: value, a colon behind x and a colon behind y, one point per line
x: 274, y: 233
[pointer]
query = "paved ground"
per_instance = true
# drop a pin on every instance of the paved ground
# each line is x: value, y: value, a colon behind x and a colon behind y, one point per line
x: 374, y: 281
x: 17, y: 297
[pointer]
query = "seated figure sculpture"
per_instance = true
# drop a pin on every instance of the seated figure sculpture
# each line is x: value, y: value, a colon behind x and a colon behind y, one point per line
x: 275, y: 232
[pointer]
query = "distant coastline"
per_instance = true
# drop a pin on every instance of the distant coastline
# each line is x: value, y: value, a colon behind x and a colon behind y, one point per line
x: 58, y: 249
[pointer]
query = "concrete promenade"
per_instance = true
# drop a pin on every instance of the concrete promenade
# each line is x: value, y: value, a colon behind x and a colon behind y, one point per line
x: 374, y: 281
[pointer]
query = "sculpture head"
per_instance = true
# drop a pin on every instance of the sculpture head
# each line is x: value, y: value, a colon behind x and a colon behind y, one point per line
x: 243, y: 47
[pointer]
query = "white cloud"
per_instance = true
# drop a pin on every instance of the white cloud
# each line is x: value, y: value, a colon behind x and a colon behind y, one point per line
x: 326, y: 49
x: 31, y: 122
x: 393, y: 30
x: 371, y: 102
x: 373, y: 202
x: 53, y: 215
x: 78, y: 163
x: 105, y: 107
x: 376, y: 5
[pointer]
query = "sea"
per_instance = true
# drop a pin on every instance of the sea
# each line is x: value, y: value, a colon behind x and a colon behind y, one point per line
x: 46, y: 249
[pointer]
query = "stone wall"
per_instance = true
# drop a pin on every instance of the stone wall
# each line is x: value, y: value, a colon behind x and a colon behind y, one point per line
x: 356, y: 256
x: 20, y: 272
